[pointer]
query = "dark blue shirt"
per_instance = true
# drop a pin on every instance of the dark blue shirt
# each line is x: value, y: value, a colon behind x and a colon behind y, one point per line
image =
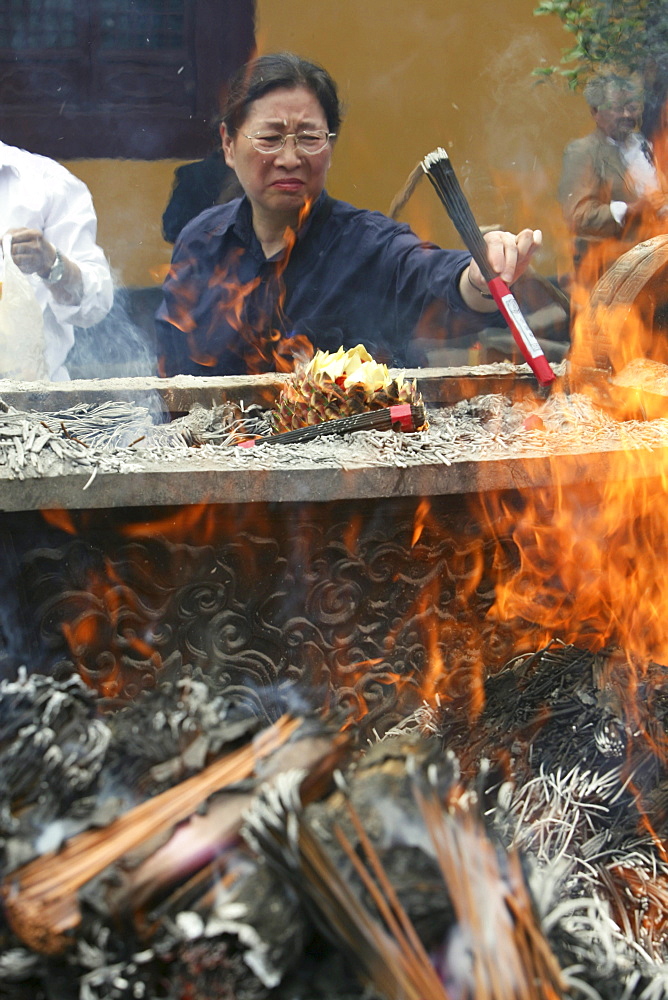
x: 352, y: 276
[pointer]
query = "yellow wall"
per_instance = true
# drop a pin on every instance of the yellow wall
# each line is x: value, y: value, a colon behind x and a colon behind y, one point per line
x: 413, y: 75
x: 454, y: 73
x: 130, y: 197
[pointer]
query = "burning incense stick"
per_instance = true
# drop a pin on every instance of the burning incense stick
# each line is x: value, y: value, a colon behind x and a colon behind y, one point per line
x: 508, y: 956
x: 402, y: 416
x: 40, y: 898
x: 439, y: 170
x: 391, y: 956
x: 489, y: 897
x: 412, y: 951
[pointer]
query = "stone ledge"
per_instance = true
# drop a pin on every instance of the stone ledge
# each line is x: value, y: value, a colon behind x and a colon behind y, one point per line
x: 181, y: 483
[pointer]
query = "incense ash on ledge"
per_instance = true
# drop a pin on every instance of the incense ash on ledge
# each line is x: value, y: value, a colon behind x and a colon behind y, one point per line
x: 339, y: 385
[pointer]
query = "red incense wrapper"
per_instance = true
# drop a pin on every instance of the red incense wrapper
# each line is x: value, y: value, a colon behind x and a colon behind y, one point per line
x: 440, y: 172
x: 522, y: 333
x: 400, y: 417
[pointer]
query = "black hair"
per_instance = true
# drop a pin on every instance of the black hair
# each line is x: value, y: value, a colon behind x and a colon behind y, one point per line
x: 280, y: 69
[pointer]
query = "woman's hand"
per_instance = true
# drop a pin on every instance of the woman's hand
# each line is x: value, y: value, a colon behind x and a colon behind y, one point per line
x: 508, y: 255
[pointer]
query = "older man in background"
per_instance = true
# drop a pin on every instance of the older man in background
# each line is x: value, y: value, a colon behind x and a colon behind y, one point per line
x: 611, y: 191
x: 50, y: 216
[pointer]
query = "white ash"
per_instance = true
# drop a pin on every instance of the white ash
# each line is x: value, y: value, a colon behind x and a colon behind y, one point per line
x: 17, y: 964
x: 548, y: 819
x: 641, y: 373
x: 41, y: 444
x: 103, y: 437
x: 488, y: 428
x: 120, y: 437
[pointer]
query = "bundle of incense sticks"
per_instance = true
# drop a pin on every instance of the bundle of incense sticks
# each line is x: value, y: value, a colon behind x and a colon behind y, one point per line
x: 401, y: 417
x: 492, y: 906
x: 387, y: 950
x: 439, y: 170
x: 40, y: 899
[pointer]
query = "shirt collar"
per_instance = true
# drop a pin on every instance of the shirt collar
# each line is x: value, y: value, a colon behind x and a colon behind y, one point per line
x: 241, y: 220
x: 634, y: 141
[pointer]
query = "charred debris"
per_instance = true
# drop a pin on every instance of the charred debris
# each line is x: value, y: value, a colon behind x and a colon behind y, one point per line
x: 187, y: 847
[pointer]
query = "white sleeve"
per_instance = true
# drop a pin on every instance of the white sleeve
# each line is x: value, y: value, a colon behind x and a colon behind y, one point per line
x: 71, y: 226
x: 618, y: 209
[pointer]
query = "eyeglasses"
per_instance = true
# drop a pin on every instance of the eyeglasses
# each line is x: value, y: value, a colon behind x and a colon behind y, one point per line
x: 310, y: 142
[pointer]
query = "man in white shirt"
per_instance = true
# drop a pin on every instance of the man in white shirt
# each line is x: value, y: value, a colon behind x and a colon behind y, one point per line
x: 611, y: 192
x: 50, y: 214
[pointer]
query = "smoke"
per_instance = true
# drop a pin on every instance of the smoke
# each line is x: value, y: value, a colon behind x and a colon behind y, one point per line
x: 22, y: 643
x: 527, y: 121
x: 527, y: 116
x: 123, y: 344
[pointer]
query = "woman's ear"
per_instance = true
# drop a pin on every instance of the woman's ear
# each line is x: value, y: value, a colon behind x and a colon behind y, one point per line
x: 228, y: 145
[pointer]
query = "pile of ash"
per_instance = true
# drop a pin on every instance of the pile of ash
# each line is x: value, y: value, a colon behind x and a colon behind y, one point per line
x: 122, y: 437
x: 179, y: 848
x: 575, y: 751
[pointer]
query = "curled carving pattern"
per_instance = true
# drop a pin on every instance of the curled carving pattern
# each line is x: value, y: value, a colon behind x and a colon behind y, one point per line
x: 301, y: 604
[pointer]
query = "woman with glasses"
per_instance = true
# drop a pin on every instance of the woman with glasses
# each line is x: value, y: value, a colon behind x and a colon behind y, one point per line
x: 253, y: 280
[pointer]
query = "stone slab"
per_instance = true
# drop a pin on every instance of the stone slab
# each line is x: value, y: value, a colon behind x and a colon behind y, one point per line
x: 182, y: 483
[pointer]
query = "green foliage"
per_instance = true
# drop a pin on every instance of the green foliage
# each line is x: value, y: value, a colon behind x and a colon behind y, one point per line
x: 628, y: 34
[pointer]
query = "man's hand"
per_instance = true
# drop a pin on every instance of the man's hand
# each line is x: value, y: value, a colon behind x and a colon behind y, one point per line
x: 32, y: 253
x: 508, y: 255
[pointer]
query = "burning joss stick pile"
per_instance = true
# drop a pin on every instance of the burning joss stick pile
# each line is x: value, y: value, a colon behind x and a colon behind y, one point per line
x: 505, y: 842
x: 179, y: 848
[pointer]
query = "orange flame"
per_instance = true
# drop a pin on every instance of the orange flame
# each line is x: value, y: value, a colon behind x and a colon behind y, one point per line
x: 106, y: 631
x: 257, y: 319
x: 591, y: 566
x: 453, y: 649
x: 420, y: 516
x: 60, y: 519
